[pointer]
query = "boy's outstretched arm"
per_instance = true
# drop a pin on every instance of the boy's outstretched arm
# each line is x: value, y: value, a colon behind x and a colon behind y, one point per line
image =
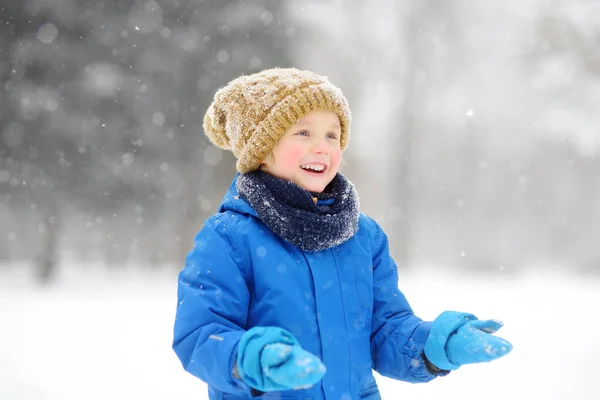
x: 212, y: 308
x: 397, y: 336
x: 405, y: 347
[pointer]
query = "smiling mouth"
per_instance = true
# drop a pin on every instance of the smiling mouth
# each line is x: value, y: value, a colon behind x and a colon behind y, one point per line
x: 314, y: 169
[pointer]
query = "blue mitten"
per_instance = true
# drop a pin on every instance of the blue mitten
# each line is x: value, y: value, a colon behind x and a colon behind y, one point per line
x: 271, y: 359
x: 459, y: 338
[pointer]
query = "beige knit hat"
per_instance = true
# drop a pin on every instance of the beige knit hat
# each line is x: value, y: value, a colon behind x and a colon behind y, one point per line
x: 251, y: 113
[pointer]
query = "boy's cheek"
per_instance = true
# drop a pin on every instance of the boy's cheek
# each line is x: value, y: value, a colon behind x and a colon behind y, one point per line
x: 336, y: 157
x: 292, y: 158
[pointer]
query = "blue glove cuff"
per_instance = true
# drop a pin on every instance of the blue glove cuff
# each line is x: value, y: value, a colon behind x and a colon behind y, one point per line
x: 443, y: 326
x: 249, y: 350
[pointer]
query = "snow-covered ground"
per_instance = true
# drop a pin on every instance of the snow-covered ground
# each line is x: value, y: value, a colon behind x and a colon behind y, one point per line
x: 107, y: 335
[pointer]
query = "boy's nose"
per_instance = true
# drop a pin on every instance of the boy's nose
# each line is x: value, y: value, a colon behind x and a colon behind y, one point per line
x: 320, y: 146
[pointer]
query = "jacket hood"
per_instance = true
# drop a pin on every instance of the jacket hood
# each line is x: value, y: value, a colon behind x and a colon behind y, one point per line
x: 233, y: 202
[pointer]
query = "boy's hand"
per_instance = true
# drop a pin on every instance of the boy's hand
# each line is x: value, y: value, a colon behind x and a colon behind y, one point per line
x: 291, y: 367
x: 271, y: 359
x: 459, y: 338
x: 473, y: 343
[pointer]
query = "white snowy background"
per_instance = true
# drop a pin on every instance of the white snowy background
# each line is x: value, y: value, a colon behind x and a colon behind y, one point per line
x: 475, y: 143
x: 104, y: 335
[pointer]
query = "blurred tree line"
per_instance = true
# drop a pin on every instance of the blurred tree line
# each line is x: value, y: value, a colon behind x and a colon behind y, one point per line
x: 474, y: 142
x: 101, y: 110
x: 475, y: 128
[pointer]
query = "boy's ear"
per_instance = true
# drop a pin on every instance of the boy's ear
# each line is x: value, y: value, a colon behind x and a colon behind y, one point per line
x: 268, y: 161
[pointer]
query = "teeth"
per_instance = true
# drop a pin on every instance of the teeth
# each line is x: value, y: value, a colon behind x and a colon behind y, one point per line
x: 314, y: 167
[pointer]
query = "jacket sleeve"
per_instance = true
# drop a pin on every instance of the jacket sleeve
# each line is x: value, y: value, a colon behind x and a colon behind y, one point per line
x: 397, y: 335
x: 212, y: 308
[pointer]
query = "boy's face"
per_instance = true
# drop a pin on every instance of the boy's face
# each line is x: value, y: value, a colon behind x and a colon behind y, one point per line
x: 309, y: 153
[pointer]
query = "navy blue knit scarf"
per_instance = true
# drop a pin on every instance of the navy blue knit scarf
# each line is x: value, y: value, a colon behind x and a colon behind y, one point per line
x: 290, y: 212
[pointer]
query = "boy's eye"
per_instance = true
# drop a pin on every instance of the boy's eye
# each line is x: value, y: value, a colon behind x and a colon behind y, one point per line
x: 302, y: 133
x: 332, y: 135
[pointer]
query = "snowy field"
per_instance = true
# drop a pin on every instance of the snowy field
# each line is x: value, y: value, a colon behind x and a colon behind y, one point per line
x: 107, y: 335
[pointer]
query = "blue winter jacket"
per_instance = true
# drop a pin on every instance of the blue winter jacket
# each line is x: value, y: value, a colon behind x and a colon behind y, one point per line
x: 342, y: 304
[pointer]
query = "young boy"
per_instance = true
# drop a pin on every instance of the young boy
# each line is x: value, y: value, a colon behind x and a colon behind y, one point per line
x: 289, y: 291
